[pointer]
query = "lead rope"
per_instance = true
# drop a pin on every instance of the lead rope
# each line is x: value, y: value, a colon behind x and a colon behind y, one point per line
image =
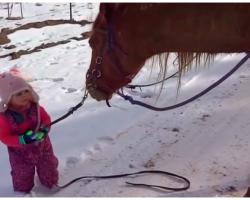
x: 139, y: 103
x: 132, y: 87
x: 137, y: 184
x: 71, y: 111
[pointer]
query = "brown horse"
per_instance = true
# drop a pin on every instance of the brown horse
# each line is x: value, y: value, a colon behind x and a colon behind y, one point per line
x: 126, y: 35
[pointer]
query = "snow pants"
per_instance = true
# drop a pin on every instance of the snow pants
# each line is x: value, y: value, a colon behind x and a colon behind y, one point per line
x: 25, y: 160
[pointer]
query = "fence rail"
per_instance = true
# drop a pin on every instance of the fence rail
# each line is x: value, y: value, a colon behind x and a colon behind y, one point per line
x: 19, y: 11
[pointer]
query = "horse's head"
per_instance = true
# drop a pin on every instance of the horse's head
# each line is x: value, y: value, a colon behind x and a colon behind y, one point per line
x: 111, y: 65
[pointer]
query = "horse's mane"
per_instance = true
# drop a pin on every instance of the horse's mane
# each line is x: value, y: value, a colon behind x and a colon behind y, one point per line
x: 186, y: 61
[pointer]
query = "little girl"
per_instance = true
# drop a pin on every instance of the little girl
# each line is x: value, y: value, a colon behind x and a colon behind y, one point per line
x: 24, y: 128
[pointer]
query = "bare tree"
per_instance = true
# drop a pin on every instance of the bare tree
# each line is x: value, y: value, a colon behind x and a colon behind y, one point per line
x: 21, y: 7
x: 70, y: 9
x: 89, y: 5
x: 8, y: 6
x: 11, y: 7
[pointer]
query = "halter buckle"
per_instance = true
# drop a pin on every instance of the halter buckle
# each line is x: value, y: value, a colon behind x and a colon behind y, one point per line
x: 98, y: 60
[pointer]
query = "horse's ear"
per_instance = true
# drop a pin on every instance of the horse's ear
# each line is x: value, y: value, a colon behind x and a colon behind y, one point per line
x: 108, y: 10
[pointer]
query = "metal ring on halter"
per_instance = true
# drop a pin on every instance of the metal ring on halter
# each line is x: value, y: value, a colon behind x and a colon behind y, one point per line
x: 99, y: 73
x: 98, y: 60
x: 91, y: 86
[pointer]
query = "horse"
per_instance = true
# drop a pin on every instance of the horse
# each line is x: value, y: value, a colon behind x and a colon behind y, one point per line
x: 125, y: 36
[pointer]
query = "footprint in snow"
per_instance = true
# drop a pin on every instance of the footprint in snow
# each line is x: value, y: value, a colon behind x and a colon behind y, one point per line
x: 57, y: 79
x: 72, y: 161
x: 97, y: 147
x: 106, y: 139
x: 46, y: 39
x: 26, y: 41
x: 69, y: 90
x: 54, y: 63
x: 87, y: 152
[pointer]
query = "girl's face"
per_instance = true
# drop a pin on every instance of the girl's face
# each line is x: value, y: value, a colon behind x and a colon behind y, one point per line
x: 21, y: 98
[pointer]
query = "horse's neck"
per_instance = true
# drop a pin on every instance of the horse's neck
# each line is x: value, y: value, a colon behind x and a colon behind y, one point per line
x: 149, y: 29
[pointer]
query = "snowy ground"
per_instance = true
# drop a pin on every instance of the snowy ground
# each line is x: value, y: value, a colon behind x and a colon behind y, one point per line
x: 205, y: 141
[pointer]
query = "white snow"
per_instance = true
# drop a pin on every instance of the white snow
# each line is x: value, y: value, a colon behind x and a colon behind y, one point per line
x: 27, y: 39
x: 205, y: 141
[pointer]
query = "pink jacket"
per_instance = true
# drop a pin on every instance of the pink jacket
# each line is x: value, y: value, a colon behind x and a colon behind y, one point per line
x: 6, y: 132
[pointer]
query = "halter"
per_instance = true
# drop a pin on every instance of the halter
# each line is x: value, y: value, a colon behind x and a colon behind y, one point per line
x: 110, y: 46
x: 108, y: 51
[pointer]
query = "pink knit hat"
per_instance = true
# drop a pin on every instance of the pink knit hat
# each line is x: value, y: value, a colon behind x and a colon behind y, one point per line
x: 11, y: 83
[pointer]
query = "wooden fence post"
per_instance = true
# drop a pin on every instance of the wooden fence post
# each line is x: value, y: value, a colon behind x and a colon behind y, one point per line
x: 8, y: 9
x: 21, y: 7
x: 70, y: 7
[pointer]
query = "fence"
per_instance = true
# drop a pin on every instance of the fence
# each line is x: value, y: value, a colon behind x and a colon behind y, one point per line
x: 19, y: 11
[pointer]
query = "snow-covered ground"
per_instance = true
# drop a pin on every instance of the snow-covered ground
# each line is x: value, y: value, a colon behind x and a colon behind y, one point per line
x: 205, y: 141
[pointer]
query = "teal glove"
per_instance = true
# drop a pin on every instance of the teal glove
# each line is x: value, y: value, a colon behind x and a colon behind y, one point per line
x: 31, y: 137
